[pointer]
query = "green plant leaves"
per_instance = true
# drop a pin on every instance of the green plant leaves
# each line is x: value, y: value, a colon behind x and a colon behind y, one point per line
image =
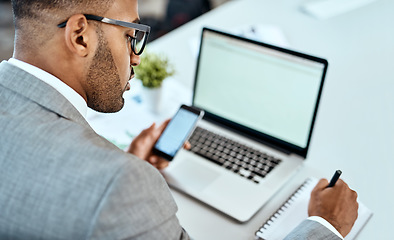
x: 153, y: 69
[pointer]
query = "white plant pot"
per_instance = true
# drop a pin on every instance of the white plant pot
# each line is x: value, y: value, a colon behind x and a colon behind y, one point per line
x: 151, y: 97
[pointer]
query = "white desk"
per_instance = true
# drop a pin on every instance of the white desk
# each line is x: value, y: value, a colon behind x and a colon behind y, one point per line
x: 355, y: 125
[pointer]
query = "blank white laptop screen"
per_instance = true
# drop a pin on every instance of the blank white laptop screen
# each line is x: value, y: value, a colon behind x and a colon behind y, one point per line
x: 266, y: 90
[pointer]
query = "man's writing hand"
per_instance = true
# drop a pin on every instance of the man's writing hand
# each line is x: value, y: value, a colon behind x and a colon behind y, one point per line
x: 338, y: 205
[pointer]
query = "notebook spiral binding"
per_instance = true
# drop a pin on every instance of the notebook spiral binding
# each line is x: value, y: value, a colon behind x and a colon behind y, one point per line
x: 281, y: 209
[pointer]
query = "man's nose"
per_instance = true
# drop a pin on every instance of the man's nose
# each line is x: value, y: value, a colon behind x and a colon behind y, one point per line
x: 135, y: 60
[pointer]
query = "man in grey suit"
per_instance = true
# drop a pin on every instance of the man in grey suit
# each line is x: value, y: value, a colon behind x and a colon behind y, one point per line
x: 58, y: 178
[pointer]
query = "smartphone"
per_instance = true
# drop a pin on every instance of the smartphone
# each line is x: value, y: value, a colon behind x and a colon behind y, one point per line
x: 177, y: 132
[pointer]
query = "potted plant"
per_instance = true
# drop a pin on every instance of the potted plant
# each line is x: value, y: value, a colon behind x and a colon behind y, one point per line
x: 152, y: 71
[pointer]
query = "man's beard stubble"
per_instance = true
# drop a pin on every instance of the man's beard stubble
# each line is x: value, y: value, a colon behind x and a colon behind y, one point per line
x: 104, y: 89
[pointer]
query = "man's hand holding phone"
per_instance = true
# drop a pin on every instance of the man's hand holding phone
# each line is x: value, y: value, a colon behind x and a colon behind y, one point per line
x: 143, y: 145
x: 177, y: 132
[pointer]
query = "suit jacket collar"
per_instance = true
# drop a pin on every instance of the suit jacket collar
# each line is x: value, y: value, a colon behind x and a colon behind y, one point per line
x: 38, y: 91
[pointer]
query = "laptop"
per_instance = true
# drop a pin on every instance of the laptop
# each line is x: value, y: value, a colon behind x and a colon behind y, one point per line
x: 260, y: 104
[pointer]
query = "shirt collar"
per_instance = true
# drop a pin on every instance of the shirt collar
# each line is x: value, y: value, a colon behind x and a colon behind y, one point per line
x: 70, y: 94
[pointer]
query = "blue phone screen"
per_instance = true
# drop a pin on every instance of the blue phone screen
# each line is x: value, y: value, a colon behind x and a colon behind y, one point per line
x: 176, y: 132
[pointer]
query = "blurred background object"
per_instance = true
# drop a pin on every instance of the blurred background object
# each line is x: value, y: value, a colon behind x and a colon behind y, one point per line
x: 166, y: 15
x: 162, y: 15
x: 6, y: 30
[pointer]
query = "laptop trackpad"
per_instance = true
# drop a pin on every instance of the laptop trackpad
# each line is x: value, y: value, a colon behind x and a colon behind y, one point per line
x: 194, y: 175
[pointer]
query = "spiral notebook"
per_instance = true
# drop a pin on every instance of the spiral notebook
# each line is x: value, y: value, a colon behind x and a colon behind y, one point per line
x: 295, y: 210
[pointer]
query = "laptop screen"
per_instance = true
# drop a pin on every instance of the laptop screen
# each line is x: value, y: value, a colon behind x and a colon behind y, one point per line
x: 264, y: 88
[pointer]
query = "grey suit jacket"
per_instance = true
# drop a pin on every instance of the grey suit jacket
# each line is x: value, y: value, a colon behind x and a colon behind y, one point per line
x: 60, y: 180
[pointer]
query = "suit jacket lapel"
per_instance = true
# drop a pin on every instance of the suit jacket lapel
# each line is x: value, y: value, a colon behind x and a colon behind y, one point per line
x: 38, y: 91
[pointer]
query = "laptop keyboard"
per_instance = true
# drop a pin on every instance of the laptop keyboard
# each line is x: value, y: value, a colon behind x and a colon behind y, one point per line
x: 241, y: 159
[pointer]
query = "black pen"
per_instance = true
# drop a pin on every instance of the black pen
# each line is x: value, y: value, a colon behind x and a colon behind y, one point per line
x: 335, y: 178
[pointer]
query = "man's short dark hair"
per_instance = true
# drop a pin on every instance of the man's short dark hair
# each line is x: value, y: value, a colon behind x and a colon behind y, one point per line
x: 35, y: 9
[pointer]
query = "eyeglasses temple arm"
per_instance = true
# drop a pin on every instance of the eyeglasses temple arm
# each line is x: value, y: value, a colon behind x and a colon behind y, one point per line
x: 88, y: 17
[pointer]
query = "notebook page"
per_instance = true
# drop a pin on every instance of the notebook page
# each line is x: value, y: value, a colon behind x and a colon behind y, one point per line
x: 295, y: 210
x: 292, y: 213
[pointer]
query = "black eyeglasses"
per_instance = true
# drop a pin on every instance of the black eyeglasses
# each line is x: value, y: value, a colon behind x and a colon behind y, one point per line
x: 141, y: 33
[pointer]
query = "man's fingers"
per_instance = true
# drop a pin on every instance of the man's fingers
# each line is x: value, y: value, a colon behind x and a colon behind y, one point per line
x: 322, y: 184
x: 162, y: 164
x: 161, y: 128
x: 187, y: 145
x: 158, y: 162
x: 150, y: 128
x: 354, y: 194
x: 342, y: 183
x: 153, y: 159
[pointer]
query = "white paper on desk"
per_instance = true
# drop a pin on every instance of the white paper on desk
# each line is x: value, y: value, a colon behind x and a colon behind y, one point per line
x: 323, y: 9
x: 266, y: 33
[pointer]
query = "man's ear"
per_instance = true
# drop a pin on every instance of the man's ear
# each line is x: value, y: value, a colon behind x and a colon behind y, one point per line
x: 77, y: 35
